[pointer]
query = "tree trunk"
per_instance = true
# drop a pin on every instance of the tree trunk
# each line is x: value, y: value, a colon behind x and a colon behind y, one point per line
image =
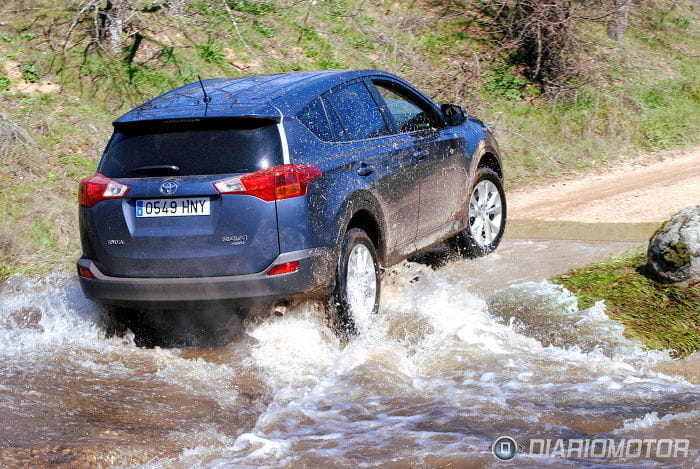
x: 113, y: 26
x: 618, y: 25
x: 540, y: 31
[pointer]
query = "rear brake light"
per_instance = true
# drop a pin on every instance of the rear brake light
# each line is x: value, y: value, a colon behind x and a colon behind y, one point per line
x: 85, y: 272
x: 98, y: 187
x: 280, y: 182
x: 286, y: 268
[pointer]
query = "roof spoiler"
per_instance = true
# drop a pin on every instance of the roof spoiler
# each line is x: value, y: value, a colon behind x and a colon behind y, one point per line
x: 184, y: 120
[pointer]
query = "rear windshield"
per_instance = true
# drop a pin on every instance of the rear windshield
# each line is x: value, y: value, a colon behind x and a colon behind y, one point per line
x: 214, y: 146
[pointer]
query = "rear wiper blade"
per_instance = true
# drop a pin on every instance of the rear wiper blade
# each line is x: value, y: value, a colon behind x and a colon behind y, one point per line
x: 159, y: 168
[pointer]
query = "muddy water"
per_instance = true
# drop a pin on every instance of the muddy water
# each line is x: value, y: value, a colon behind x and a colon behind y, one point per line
x: 457, y: 357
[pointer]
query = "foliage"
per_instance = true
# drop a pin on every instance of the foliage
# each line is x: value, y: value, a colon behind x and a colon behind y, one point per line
x: 29, y: 72
x: 662, y: 316
x: 502, y: 81
x: 681, y: 22
x: 263, y: 29
x: 211, y: 52
x: 254, y: 8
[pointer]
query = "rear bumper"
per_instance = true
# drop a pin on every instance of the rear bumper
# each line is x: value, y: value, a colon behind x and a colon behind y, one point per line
x: 314, y: 278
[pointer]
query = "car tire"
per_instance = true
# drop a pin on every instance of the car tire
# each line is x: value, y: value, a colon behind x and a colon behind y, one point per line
x: 116, y: 320
x: 357, y: 282
x: 486, y: 219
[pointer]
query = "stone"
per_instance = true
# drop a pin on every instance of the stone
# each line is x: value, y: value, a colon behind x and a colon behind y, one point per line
x: 674, y: 250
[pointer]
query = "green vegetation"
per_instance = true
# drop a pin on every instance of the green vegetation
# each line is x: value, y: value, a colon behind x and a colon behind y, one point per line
x: 211, y: 52
x: 677, y: 254
x: 29, y: 72
x: 641, y: 94
x: 662, y: 316
x: 506, y: 83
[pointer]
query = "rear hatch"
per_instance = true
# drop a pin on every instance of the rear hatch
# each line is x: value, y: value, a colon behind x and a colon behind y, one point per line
x: 173, y: 222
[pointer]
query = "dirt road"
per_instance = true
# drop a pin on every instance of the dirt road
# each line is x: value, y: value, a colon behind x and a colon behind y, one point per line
x: 644, y: 190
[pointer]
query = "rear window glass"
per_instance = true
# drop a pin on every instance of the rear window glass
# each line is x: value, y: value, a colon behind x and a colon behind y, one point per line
x: 192, y: 148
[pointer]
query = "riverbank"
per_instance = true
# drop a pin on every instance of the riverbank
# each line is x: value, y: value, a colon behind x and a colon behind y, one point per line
x: 626, y: 202
x: 661, y: 316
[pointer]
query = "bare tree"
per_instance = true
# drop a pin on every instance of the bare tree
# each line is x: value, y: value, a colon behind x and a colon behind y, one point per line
x: 537, y: 33
x: 618, y: 24
x: 542, y: 38
x: 538, y: 37
x: 113, y: 26
x: 106, y: 24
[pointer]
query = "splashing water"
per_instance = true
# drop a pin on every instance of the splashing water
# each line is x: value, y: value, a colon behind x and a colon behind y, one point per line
x: 445, y: 368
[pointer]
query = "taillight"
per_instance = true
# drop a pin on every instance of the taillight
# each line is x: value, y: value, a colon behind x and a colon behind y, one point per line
x: 280, y: 182
x: 85, y: 272
x: 98, y: 187
x: 286, y: 268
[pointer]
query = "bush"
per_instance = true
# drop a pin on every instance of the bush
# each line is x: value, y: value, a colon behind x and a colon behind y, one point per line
x: 265, y: 30
x: 211, y: 52
x: 29, y: 72
x: 12, y: 137
x: 253, y: 8
x: 681, y: 22
x: 503, y: 82
x: 653, y: 99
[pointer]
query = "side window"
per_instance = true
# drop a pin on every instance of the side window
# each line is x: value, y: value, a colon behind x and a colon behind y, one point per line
x: 408, y: 115
x: 357, y: 112
x: 313, y: 116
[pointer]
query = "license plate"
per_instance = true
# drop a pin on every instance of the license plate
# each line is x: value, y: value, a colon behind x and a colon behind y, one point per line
x: 172, y: 207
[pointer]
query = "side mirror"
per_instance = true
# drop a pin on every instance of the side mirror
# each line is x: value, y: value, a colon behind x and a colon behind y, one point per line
x: 454, y: 115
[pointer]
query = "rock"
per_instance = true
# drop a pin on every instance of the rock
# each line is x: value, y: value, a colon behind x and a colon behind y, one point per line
x: 674, y: 250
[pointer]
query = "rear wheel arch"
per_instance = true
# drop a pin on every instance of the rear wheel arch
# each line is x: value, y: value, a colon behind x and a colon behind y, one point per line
x: 362, y: 211
x: 364, y: 220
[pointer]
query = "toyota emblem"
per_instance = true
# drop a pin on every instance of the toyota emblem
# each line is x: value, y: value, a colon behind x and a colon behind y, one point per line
x: 168, y: 187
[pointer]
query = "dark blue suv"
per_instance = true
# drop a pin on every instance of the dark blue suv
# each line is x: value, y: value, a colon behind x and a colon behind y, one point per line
x: 261, y: 189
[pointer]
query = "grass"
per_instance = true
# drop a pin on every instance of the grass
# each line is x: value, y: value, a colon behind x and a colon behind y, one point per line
x: 594, y: 127
x: 38, y: 200
x: 642, y: 94
x: 661, y: 316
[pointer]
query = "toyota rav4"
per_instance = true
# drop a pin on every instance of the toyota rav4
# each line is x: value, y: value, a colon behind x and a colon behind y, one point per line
x: 261, y: 189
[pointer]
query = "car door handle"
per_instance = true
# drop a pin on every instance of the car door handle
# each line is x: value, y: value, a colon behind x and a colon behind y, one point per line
x: 365, y: 169
x: 420, y: 154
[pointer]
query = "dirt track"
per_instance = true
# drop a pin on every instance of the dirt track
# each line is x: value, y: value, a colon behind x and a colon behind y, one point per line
x: 647, y: 189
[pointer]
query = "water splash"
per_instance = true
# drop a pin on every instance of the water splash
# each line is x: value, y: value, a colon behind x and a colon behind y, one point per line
x: 432, y: 380
x: 442, y: 378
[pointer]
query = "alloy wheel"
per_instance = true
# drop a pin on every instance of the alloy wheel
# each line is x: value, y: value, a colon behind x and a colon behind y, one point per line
x: 361, y: 283
x: 485, y: 213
